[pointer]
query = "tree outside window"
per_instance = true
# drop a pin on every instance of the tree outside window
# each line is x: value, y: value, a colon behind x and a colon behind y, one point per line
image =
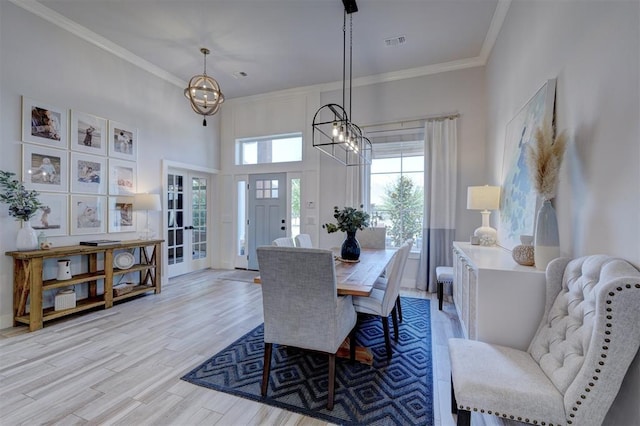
x: 396, y: 191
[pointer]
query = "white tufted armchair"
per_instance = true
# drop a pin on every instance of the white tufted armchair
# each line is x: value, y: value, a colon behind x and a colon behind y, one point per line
x: 575, y: 364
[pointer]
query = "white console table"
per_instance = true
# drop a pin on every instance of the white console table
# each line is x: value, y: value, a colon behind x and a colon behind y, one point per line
x: 497, y: 300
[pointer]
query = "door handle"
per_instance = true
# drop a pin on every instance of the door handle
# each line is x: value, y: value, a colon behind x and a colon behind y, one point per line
x: 188, y: 227
x: 282, y: 228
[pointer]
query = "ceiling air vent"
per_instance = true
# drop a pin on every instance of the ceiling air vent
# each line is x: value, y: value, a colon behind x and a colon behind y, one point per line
x: 395, y: 41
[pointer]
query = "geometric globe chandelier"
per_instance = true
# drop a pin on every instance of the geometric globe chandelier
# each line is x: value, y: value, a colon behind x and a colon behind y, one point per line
x: 204, y: 92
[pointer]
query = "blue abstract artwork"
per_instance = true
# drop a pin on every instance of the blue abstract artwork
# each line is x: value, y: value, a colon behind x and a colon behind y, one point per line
x: 518, y: 198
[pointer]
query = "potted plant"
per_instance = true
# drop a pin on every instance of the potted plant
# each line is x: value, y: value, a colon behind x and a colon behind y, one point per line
x: 349, y: 220
x: 23, y: 205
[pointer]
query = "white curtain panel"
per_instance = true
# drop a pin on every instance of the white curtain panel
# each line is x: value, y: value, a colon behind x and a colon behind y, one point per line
x: 440, y: 182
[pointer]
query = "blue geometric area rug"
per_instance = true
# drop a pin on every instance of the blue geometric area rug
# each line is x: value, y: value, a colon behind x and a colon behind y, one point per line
x: 395, y: 392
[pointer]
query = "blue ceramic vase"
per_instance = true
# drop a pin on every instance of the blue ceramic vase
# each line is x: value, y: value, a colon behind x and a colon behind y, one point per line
x: 350, y: 247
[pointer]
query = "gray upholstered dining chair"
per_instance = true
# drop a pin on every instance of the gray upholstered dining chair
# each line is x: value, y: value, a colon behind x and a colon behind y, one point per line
x: 381, y: 282
x: 283, y: 242
x: 575, y: 364
x: 303, y: 241
x: 301, y: 306
x: 383, y: 302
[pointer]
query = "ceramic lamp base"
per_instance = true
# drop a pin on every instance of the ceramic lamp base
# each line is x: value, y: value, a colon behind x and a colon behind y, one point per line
x: 487, y: 235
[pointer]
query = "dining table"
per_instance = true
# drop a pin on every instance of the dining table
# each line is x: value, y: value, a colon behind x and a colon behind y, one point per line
x: 356, y: 278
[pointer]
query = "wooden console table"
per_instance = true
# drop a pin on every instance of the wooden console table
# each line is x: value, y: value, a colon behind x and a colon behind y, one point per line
x: 28, y: 278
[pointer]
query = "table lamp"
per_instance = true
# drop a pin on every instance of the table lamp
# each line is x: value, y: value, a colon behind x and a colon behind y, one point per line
x: 147, y: 203
x: 484, y: 198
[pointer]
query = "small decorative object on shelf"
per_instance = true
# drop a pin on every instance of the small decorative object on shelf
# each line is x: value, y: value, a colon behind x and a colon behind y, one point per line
x: 349, y: 220
x: 123, y: 260
x: 65, y: 299
x: 524, y: 254
x: 544, y: 158
x: 23, y: 205
x: 64, y: 269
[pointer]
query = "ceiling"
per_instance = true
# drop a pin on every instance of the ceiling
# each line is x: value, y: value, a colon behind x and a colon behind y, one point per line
x: 282, y: 44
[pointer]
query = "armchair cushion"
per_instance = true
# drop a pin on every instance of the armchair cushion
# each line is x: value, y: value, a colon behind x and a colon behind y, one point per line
x: 497, y: 371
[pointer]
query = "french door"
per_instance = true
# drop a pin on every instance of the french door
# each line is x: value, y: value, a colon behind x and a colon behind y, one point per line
x: 187, y: 224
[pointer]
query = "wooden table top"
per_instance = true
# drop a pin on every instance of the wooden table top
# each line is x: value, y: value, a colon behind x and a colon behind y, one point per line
x: 357, y: 279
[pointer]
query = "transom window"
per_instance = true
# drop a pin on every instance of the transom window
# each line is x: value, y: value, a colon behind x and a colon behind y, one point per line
x: 269, y: 149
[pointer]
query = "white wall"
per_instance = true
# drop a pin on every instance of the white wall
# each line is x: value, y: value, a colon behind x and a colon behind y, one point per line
x: 48, y: 64
x: 592, y: 48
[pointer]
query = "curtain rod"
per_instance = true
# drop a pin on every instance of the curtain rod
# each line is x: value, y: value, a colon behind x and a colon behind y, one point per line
x: 420, y: 122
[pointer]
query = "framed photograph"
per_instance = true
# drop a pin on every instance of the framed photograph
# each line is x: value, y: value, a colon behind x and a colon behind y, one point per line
x: 121, y: 214
x: 123, y: 141
x: 122, y: 177
x: 88, y: 173
x: 518, y: 200
x: 45, y: 169
x: 88, y: 214
x: 44, y: 124
x: 53, y: 217
x: 88, y: 133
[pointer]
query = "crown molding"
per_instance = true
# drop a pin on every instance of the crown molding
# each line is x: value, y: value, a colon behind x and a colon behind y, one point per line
x: 97, y: 40
x: 499, y: 16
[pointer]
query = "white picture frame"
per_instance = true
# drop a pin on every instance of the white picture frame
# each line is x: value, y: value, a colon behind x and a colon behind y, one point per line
x: 89, y: 174
x: 52, y: 217
x: 88, y: 133
x: 44, y: 124
x: 121, y: 214
x: 88, y: 214
x: 45, y: 169
x: 122, y: 177
x: 123, y: 141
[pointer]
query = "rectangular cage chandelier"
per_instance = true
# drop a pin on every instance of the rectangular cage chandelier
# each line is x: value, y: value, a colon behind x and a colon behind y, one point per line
x: 333, y: 132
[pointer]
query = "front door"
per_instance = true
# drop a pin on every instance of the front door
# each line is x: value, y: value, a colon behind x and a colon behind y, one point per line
x: 267, y: 212
x: 187, y: 222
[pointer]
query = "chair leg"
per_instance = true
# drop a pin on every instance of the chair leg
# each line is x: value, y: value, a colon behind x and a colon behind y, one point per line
x: 464, y: 418
x: 332, y: 381
x: 267, y: 368
x: 399, y: 308
x: 454, y: 403
x: 352, y: 343
x: 387, y: 340
x: 440, y: 294
x: 394, y: 317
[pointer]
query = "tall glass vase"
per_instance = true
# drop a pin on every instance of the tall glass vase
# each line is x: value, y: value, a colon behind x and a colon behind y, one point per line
x: 547, y: 238
x: 27, y: 239
x: 350, y: 247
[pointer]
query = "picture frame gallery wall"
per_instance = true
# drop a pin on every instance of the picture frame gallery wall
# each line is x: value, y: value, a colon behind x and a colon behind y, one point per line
x: 84, y: 167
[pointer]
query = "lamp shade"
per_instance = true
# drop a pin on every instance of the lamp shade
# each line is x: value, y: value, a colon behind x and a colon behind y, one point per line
x: 483, y: 197
x: 149, y: 202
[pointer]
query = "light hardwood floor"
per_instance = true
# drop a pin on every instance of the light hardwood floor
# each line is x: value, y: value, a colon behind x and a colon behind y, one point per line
x: 123, y: 365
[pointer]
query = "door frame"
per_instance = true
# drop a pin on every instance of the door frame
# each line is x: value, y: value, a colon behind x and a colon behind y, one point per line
x: 191, y: 168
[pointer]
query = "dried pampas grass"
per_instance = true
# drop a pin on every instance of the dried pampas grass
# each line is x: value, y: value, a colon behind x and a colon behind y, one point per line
x: 544, y: 157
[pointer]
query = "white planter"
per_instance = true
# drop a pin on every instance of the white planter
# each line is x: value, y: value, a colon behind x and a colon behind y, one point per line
x: 27, y: 239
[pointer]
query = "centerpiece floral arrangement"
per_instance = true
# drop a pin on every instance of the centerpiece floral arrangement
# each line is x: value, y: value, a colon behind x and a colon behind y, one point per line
x: 348, y: 220
x: 23, y: 204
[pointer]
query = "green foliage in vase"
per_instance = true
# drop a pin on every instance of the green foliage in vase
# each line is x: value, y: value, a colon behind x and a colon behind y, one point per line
x: 348, y: 219
x: 23, y: 204
x: 403, y: 203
